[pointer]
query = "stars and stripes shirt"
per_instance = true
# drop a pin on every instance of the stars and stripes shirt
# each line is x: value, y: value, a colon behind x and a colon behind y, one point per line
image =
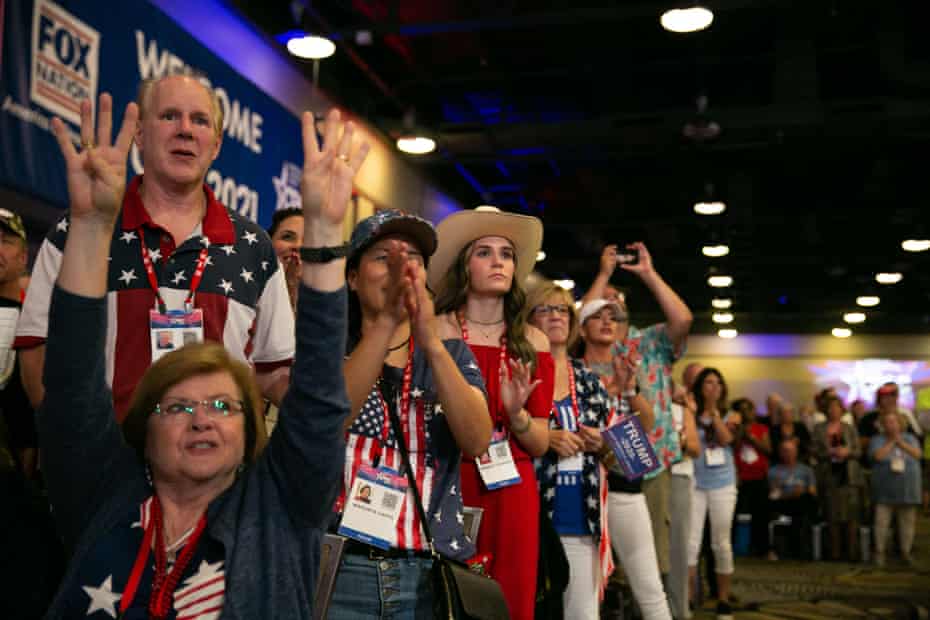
x: 242, y: 293
x: 105, y: 572
x: 595, y: 410
x: 433, y: 451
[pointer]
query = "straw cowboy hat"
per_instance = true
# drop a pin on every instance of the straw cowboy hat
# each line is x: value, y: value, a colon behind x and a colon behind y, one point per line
x: 462, y: 227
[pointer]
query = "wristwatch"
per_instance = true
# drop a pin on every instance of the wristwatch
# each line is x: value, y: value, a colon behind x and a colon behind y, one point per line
x: 323, y: 255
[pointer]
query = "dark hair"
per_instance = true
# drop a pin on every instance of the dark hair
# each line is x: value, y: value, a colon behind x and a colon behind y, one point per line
x: 699, y: 394
x: 829, y: 400
x: 280, y: 215
x: 455, y: 294
x: 202, y: 358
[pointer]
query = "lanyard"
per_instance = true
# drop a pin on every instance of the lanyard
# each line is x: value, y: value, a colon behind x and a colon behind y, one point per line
x: 153, y: 280
x: 503, y: 355
x: 163, y: 584
x: 404, y: 402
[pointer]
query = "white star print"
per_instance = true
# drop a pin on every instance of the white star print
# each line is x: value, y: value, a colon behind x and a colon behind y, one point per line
x: 128, y: 276
x: 205, y: 241
x: 102, y: 598
x: 454, y: 545
x: 179, y: 277
x: 226, y: 286
x: 438, y: 516
x: 228, y: 249
x: 264, y: 265
x: 128, y: 236
x: 209, y: 261
x: 473, y: 366
x: 452, y: 490
x: 204, y: 572
x: 416, y: 393
x: 251, y: 237
x: 155, y: 254
x: 62, y: 225
x: 460, y: 518
x: 437, y: 409
x: 592, y: 479
x: 550, y: 493
x: 551, y: 470
x: 592, y: 503
x: 246, y: 275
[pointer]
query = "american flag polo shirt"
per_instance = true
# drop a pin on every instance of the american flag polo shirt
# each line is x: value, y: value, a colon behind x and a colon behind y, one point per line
x: 242, y: 293
x: 433, y: 450
x: 104, y: 573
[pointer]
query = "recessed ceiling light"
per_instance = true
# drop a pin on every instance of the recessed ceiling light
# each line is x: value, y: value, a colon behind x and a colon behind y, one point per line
x: 854, y: 317
x: 311, y: 46
x: 720, y: 281
x: 867, y: 301
x: 722, y: 317
x: 540, y: 256
x: 710, y: 208
x: 841, y: 332
x: 888, y: 277
x: 416, y: 145
x: 715, y: 251
x: 721, y: 303
x: 727, y: 333
x: 691, y: 19
x: 915, y: 245
x: 566, y: 284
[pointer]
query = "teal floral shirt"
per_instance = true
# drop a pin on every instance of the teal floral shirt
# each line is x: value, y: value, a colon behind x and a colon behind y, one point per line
x: 655, y: 381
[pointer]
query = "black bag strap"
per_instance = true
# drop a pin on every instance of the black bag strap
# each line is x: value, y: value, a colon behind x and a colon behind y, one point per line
x: 411, y: 479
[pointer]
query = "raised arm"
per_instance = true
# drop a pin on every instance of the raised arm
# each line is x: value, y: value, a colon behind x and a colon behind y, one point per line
x: 82, y: 448
x: 305, y: 451
x: 606, y: 267
x: 677, y: 314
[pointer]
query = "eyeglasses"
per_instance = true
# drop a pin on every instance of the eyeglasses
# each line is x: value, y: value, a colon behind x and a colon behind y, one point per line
x: 214, y: 407
x: 548, y: 309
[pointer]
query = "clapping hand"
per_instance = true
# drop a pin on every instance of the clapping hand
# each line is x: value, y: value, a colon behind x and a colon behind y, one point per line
x: 516, y: 386
x: 565, y: 443
x: 97, y: 174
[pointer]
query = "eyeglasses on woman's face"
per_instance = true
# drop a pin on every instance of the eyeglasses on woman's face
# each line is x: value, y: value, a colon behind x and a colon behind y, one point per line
x: 216, y: 407
x: 547, y: 309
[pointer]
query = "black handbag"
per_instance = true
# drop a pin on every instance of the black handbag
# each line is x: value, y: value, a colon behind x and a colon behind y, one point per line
x: 458, y: 591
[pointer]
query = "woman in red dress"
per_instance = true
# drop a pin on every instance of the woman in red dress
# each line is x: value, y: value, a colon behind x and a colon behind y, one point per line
x: 477, y: 273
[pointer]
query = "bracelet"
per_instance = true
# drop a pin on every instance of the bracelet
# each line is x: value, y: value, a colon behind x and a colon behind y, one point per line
x: 324, y: 255
x: 520, y: 431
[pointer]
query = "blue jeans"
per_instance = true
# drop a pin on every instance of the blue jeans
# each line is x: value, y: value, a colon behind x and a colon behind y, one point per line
x: 389, y: 589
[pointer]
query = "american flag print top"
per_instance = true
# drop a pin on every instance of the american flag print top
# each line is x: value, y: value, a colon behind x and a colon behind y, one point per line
x: 433, y: 452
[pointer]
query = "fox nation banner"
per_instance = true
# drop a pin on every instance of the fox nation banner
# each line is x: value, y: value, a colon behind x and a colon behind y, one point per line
x: 57, y: 54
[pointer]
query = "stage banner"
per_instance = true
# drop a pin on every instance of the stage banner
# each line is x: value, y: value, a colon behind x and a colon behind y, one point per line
x: 56, y: 54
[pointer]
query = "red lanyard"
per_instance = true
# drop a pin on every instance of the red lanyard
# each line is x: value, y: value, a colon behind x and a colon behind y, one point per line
x: 404, y: 401
x: 163, y: 584
x: 573, y: 392
x: 503, y: 356
x: 153, y: 280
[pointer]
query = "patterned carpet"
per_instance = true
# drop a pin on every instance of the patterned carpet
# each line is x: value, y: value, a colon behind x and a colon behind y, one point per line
x: 832, y: 590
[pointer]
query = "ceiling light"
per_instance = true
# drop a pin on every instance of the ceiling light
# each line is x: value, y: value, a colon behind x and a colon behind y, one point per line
x: 416, y: 145
x: 720, y: 281
x: 841, y: 332
x: 888, y: 277
x: 710, y: 208
x: 715, y: 251
x: 854, y: 317
x: 727, y: 333
x: 721, y: 303
x: 686, y: 20
x: 566, y: 284
x: 867, y: 301
x: 722, y: 317
x: 311, y: 46
x: 540, y: 256
x: 915, y: 245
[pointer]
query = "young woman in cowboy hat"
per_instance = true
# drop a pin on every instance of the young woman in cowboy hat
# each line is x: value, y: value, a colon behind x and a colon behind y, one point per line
x: 477, y: 272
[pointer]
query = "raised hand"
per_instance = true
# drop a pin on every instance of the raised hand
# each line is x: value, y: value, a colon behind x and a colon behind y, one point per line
x: 608, y: 260
x: 328, y: 173
x: 420, y: 307
x: 565, y: 443
x: 515, y: 389
x: 642, y: 267
x: 97, y: 174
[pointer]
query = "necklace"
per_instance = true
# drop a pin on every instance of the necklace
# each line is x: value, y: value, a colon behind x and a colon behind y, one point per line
x: 488, y: 334
x: 497, y: 322
x: 398, y: 346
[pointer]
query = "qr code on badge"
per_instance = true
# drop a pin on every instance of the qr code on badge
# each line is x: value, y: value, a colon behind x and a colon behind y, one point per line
x: 389, y: 501
x: 500, y: 451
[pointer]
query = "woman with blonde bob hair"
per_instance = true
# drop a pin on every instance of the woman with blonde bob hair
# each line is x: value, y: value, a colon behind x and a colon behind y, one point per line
x: 187, y: 512
x: 482, y: 259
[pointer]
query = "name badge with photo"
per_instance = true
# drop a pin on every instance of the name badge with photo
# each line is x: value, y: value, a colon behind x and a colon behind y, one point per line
x: 173, y: 329
x: 373, y: 505
x: 496, y: 466
x: 897, y: 462
x: 630, y: 444
x: 714, y: 457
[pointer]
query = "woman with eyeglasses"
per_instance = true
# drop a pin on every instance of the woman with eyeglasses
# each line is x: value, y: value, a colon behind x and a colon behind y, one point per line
x: 572, y: 482
x: 184, y: 512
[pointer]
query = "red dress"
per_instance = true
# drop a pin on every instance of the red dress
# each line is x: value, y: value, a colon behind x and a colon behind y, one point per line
x: 509, y: 530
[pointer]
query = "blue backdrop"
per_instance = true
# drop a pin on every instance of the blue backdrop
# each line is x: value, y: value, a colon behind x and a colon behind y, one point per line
x: 57, y: 53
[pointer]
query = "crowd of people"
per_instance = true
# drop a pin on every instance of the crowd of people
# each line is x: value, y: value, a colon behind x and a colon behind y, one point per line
x: 211, y: 399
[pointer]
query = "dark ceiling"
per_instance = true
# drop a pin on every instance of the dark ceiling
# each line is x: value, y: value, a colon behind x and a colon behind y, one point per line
x: 576, y: 115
